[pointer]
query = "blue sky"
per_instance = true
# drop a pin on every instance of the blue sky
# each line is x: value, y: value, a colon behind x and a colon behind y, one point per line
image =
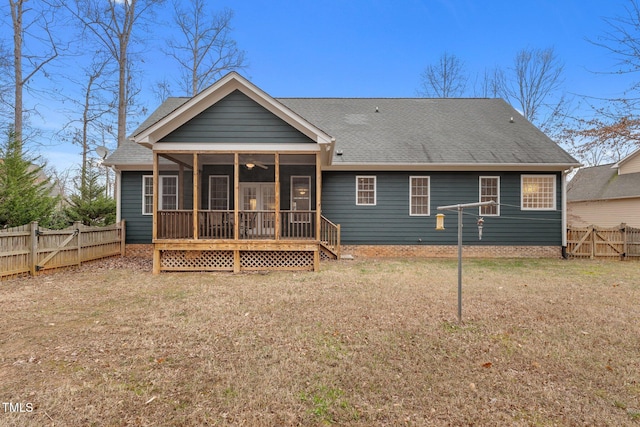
x: 379, y: 48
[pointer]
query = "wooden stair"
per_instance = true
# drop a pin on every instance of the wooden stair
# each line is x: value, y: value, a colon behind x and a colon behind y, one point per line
x: 329, y: 238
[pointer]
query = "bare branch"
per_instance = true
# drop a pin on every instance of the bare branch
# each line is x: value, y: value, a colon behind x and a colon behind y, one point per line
x: 446, y: 79
x: 206, y: 49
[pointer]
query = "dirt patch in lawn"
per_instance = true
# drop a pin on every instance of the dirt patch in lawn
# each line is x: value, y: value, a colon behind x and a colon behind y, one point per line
x: 377, y: 342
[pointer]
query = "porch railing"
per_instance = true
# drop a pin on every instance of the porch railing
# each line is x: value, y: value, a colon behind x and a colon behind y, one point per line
x: 175, y: 224
x: 298, y: 224
x: 258, y: 225
x: 215, y: 224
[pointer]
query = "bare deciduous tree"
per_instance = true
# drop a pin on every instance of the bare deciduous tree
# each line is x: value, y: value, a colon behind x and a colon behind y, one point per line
x: 622, y: 39
x: 487, y: 83
x: 94, y: 108
x: 610, y: 135
x: 613, y: 131
x: 205, y: 49
x: 446, y: 79
x: 31, y: 27
x: 112, y: 24
x: 533, y: 85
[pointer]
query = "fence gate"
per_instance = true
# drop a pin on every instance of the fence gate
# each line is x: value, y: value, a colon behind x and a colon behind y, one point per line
x: 67, y: 250
x: 599, y: 242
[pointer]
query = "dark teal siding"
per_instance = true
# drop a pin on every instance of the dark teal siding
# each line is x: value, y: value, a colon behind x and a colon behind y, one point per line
x: 237, y: 118
x: 389, y: 222
x: 139, y: 226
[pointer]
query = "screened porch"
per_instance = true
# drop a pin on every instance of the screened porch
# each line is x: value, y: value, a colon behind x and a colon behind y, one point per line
x: 238, y: 202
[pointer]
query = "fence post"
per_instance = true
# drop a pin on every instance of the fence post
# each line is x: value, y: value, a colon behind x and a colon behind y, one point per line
x: 592, y: 229
x: 623, y: 231
x: 34, y: 247
x: 77, y: 225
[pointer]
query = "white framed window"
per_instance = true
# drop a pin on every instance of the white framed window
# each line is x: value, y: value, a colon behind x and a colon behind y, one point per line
x: 489, y: 191
x: 147, y: 195
x: 301, y: 198
x: 419, y: 195
x: 365, y: 190
x: 218, y: 192
x: 538, y: 192
x: 168, y: 193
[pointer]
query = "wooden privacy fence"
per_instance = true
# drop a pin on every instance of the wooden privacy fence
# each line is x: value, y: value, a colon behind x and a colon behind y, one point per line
x: 598, y: 242
x: 32, y: 249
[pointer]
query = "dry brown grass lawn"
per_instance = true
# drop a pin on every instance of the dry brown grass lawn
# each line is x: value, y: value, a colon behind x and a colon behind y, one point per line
x: 544, y: 342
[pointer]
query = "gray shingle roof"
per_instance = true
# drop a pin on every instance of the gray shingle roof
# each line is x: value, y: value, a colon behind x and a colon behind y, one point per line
x: 602, y: 183
x: 405, y: 131
x: 420, y: 130
x: 162, y: 111
x: 131, y: 153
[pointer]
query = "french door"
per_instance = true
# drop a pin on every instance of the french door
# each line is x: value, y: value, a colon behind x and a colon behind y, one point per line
x: 258, y: 205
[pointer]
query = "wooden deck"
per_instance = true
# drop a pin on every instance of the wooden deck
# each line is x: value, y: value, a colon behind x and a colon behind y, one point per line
x: 259, y: 241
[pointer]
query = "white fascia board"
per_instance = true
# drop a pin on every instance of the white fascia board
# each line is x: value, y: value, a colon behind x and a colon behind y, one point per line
x: 214, y: 147
x: 626, y: 159
x: 507, y: 167
x: 215, y: 93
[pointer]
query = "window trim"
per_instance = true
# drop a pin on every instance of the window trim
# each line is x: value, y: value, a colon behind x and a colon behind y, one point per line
x: 555, y: 191
x: 480, y: 195
x: 226, y: 177
x: 375, y: 190
x: 428, y: 195
x: 145, y: 195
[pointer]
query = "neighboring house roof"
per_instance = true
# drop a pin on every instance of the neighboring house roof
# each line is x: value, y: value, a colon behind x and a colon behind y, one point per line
x: 384, y: 132
x: 602, y: 183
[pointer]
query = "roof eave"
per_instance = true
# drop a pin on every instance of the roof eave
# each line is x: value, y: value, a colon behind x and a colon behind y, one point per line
x: 507, y: 167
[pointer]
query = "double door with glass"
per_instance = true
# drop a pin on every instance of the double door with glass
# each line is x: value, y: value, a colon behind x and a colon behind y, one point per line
x: 257, y: 209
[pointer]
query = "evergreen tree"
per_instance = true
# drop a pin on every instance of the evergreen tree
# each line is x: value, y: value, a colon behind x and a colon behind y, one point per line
x: 25, y: 192
x: 89, y: 204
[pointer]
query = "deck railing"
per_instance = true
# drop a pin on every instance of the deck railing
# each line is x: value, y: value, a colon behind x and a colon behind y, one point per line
x: 175, y: 224
x: 330, y: 236
x: 215, y: 224
x: 253, y: 225
x: 298, y: 224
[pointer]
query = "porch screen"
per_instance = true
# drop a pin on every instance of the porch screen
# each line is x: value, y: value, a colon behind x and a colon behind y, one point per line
x: 169, y: 193
x: 218, y: 193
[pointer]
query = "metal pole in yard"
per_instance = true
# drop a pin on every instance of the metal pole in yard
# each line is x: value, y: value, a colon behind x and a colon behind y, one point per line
x: 460, y: 208
x: 459, y: 264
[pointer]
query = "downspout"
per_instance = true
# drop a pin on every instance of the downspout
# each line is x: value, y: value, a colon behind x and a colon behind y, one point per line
x: 564, y: 212
x: 117, y: 195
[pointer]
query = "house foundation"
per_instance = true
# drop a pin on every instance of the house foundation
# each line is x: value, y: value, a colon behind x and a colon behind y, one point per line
x: 451, y: 251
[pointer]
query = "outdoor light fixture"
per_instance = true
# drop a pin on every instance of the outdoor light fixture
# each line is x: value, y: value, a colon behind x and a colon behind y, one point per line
x: 440, y: 222
x: 250, y: 165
